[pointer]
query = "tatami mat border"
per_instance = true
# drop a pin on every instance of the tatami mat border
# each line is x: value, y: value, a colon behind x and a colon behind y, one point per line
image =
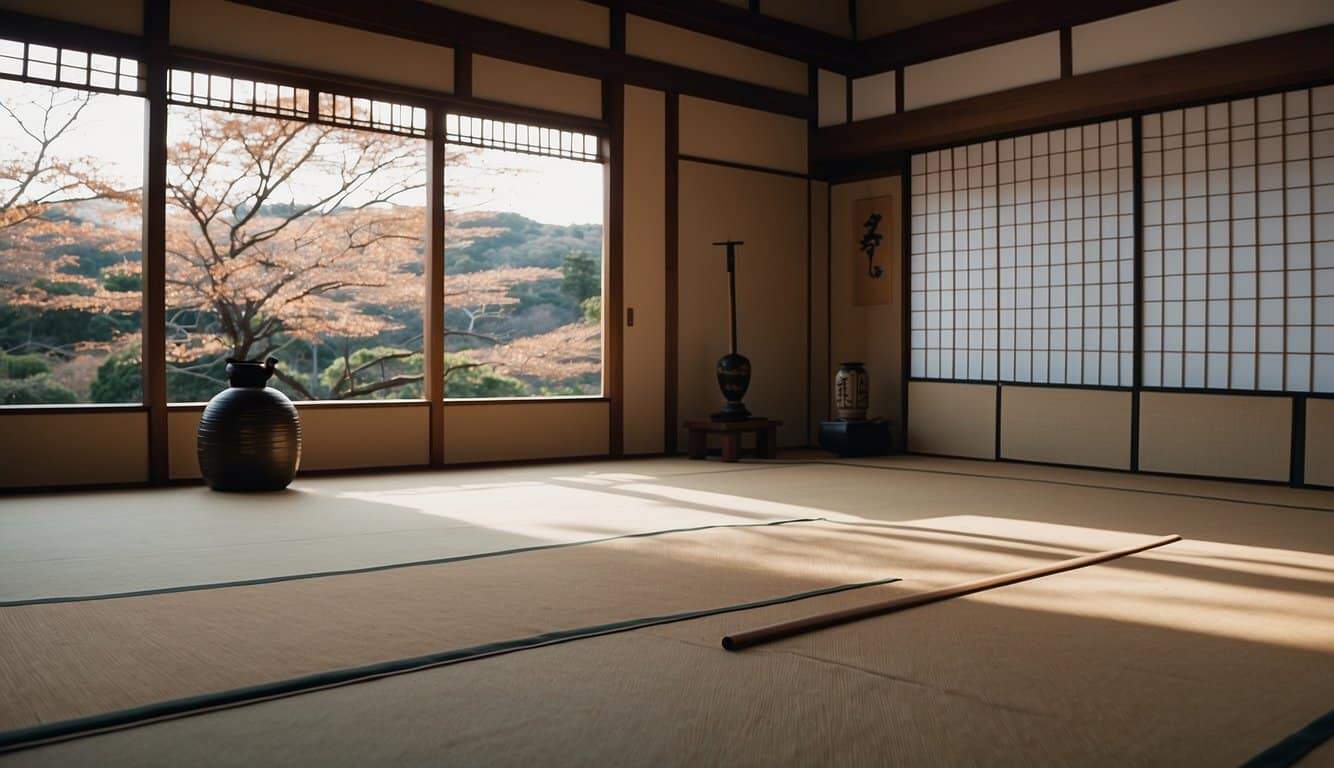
x: 1067, y: 483
x: 1296, y: 745
x: 393, y: 566
x: 48, y: 733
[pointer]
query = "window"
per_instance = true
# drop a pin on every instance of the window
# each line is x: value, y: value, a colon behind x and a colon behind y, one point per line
x: 1023, y: 259
x: 71, y: 175
x: 523, y: 262
x: 1239, y: 244
x: 293, y: 239
x: 954, y: 263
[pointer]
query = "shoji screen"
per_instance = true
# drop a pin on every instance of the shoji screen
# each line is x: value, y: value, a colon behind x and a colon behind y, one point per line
x: 1022, y: 259
x: 1239, y: 244
x: 954, y: 258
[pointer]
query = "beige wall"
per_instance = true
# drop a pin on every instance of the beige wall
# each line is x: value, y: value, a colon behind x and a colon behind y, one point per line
x: 673, y: 45
x: 182, y: 449
x: 514, y: 431
x: 869, y: 334
x: 768, y: 212
x: 832, y: 98
x: 1248, y: 437
x: 737, y: 134
x: 570, y: 19
x: 342, y: 436
x: 1320, y: 442
x: 1189, y: 25
x: 73, y: 448
x: 986, y: 70
x: 645, y: 269
x: 1066, y: 426
x: 952, y: 419
x: 348, y: 437
x: 223, y: 27
x: 511, y: 83
x: 821, y: 376
x: 874, y: 96
x: 117, y: 15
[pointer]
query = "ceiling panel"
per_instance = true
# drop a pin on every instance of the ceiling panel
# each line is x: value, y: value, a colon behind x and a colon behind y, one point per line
x: 880, y: 17
x: 824, y: 15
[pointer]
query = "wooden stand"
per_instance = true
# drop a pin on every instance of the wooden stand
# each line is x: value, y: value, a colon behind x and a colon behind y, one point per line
x: 856, y: 438
x: 766, y: 437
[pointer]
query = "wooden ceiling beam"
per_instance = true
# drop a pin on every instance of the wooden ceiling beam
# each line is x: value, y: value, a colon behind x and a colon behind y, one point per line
x: 748, y: 28
x: 992, y: 25
x: 1291, y: 60
x: 437, y: 25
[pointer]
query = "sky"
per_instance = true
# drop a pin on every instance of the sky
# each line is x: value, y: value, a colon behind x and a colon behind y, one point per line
x: 110, y: 128
x: 549, y: 190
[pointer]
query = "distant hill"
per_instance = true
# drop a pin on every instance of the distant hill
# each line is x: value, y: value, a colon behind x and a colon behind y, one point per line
x: 519, y: 242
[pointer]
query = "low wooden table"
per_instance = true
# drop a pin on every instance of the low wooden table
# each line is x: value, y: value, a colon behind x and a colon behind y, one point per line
x: 766, y: 437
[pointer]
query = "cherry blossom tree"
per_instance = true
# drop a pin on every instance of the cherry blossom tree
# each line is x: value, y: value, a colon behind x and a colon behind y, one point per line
x: 279, y: 233
x: 41, y: 181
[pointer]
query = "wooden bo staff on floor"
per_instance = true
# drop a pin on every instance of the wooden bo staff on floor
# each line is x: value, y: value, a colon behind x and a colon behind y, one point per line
x: 786, y: 629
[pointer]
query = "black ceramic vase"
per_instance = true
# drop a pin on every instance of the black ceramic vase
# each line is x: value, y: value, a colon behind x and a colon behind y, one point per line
x: 733, y: 380
x: 249, y: 437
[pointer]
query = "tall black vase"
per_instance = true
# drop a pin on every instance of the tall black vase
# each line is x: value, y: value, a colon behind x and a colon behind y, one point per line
x: 733, y: 379
x: 249, y: 436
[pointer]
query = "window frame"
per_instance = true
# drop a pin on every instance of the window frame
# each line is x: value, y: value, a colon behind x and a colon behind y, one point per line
x: 428, y: 107
x: 62, y: 37
x: 601, y: 144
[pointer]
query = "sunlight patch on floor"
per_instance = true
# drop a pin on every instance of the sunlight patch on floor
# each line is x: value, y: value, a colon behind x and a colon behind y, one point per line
x: 723, y: 501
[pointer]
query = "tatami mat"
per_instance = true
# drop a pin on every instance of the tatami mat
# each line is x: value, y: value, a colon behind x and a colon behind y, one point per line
x: 88, y: 543
x: 68, y: 660
x: 107, y: 542
x: 1022, y: 676
x: 1203, y: 652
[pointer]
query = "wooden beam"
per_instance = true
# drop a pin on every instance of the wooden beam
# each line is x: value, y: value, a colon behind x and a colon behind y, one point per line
x: 812, y: 125
x: 992, y: 25
x: 463, y: 73
x: 1290, y: 60
x: 1067, y: 52
x: 741, y: 25
x: 433, y: 319
x: 154, y: 268
x: 613, y: 320
x: 847, y: 99
x: 671, y: 215
x: 36, y: 29
x: 231, y: 66
x: 437, y: 25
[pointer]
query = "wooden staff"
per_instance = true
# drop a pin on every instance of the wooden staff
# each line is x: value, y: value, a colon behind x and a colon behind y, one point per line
x: 773, y: 632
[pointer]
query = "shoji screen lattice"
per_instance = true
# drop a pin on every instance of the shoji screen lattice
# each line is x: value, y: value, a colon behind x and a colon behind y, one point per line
x: 1022, y: 259
x: 1239, y: 244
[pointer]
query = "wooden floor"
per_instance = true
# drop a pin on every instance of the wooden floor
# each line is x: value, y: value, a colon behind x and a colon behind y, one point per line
x: 1204, y: 652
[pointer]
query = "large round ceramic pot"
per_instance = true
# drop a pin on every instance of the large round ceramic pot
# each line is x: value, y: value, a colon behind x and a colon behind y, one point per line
x: 249, y: 437
x: 852, y: 391
x: 733, y: 379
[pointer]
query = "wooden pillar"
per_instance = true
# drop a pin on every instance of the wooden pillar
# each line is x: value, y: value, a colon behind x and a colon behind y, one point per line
x: 433, y: 319
x: 153, y: 317
x: 671, y: 217
x: 613, y: 320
